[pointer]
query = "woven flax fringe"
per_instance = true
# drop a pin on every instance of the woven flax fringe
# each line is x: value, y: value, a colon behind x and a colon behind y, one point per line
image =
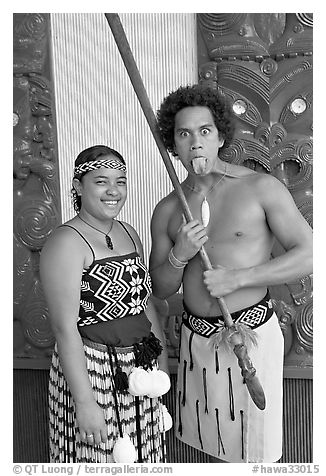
x: 65, y: 442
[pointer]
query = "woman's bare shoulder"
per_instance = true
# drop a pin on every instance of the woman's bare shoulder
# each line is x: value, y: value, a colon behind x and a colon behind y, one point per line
x: 64, y: 240
x: 130, y: 230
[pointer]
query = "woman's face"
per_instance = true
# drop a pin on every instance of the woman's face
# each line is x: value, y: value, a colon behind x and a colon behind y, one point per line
x: 103, y: 192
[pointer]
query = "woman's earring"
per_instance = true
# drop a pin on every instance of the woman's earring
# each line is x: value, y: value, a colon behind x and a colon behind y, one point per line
x: 77, y: 186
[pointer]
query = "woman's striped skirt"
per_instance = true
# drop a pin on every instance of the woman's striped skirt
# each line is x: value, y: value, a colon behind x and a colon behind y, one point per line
x: 140, y: 417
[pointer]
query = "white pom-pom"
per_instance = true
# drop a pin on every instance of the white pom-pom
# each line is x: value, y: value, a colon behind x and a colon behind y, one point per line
x: 160, y: 383
x: 139, y: 382
x: 165, y: 422
x: 124, y: 450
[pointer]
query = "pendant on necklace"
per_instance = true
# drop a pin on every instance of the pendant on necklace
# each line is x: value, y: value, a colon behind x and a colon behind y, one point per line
x: 205, y: 212
x: 109, y: 242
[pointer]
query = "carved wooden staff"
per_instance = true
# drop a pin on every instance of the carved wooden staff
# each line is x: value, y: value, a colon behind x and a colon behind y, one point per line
x: 235, y: 337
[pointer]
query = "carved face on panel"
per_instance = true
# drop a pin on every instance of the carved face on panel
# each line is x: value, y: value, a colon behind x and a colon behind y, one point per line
x: 23, y: 128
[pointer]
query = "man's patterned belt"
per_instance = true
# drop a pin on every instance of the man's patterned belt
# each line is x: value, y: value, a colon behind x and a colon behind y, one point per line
x: 253, y: 317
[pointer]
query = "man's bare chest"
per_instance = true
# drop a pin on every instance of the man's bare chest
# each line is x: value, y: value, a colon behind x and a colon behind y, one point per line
x: 232, y: 215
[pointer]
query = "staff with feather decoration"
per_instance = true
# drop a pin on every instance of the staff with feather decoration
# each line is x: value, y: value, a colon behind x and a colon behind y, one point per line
x: 235, y: 334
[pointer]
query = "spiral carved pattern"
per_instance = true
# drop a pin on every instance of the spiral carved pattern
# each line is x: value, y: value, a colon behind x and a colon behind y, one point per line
x: 32, y: 25
x: 304, y: 150
x: 304, y: 327
x: 262, y: 133
x: 37, y: 327
x: 277, y: 135
x: 233, y: 153
x: 34, y: 222
x: 286, y: 153
x: 221, y: 23
x: 268, y: 67
x: 305, y: 18
x: 306, y: 210
x: 208, y: 74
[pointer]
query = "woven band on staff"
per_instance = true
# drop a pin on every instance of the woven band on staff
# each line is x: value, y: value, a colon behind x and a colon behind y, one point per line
x: 97, y: 164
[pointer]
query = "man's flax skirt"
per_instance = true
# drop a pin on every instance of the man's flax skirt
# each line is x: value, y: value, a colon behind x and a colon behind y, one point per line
x: 215, y: 412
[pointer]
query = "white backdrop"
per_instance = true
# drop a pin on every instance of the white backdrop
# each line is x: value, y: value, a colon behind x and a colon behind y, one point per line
x: 96, y: 104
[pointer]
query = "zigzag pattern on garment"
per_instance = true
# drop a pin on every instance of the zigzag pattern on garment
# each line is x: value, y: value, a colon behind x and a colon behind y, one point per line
x: 252, y: 317
x: 112, y: 289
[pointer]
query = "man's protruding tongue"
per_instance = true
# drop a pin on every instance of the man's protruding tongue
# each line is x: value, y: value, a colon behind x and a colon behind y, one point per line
x: 199, y: 165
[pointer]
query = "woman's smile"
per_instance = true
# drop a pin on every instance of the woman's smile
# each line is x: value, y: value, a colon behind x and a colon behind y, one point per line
x: 111, y: 203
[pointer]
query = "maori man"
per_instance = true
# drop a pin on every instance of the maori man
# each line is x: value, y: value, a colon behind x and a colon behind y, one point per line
x: 238, y: 214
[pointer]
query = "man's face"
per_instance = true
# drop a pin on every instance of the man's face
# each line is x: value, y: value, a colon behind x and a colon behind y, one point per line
x: 196, y: 139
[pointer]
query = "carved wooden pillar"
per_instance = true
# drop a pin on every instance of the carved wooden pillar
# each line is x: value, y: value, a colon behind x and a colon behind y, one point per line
x: 263, y: 64
x: 36, y: 189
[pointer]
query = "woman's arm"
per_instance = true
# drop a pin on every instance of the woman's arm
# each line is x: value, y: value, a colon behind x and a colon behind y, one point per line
x: 151, y: 312
x: 61, y: 266
x: 157, y: 330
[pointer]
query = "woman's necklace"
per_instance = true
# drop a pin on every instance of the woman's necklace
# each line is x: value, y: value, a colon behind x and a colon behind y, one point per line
x: 107, y: 237
x: 205, y: 211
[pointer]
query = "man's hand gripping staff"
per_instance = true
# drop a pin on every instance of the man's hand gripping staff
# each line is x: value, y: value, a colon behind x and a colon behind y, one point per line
x: 233, y: 332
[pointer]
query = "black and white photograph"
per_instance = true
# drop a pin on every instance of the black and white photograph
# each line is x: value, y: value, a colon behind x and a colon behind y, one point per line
x: 162, y: 241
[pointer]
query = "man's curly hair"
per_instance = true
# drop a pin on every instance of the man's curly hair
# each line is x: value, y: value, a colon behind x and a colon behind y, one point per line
x: 195, y: 95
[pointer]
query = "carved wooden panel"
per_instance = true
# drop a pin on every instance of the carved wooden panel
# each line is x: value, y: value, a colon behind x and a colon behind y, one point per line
x: 36, y: 190
x: 262, y: 62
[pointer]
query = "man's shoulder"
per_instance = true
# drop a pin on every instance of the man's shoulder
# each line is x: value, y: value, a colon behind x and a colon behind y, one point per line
x: 268, y: 181
x: 259, y: 178
x: 242, y: 172
x: 266, y: 186
x: 167, y: 204
x: 263, y: 185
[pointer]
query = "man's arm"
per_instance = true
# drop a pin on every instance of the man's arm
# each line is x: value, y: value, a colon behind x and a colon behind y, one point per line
x: 289, y: 228
x: 166, y: 279
x: 168, y: 258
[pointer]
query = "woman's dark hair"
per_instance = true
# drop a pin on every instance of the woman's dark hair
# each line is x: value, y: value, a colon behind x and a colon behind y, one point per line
x: 89, y: 155
x: 196, y: 95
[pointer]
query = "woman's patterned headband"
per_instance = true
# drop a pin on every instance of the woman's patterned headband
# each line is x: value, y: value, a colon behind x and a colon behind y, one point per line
x: 97, y: 164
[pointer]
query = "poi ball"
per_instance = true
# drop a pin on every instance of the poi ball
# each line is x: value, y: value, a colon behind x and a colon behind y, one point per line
x: 165, y: 422
x: 139, y: 382
x: 160, y: 383
x: 124, y: 450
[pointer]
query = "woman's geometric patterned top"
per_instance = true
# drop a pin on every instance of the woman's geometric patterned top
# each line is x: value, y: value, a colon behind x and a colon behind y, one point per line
x: 112, y: 288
